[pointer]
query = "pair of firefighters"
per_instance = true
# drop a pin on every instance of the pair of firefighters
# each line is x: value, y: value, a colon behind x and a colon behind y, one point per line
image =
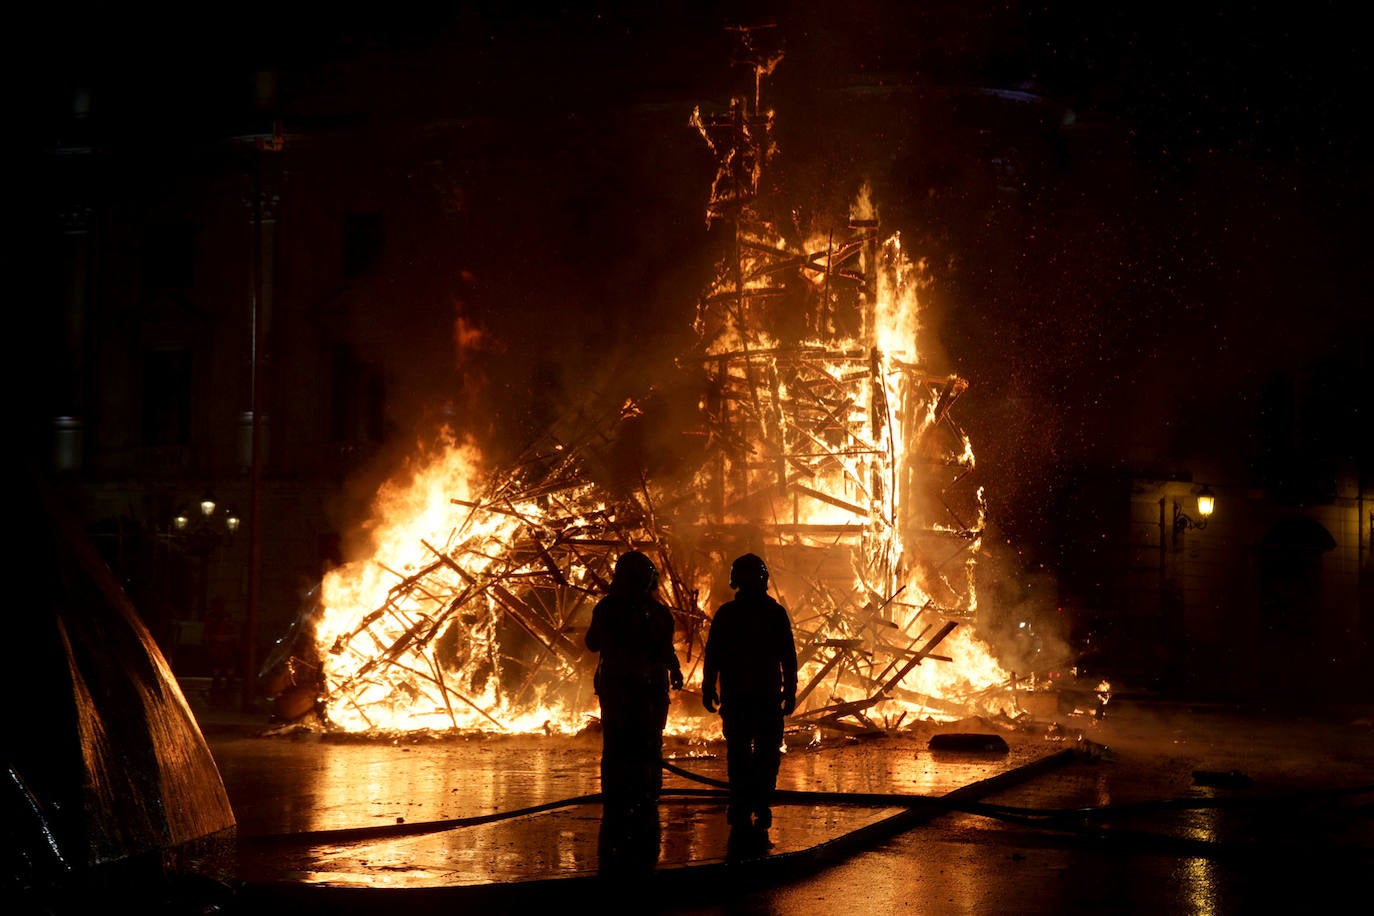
x: 749, y: 651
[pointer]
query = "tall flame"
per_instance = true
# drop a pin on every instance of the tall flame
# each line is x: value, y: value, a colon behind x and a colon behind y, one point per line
x: 831, y: 450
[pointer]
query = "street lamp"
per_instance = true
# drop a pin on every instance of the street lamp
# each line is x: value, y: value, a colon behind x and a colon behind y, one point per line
x: 199, y: 534
x: 181, y: 522
x: 1206, y: 505
x: 196, y: 533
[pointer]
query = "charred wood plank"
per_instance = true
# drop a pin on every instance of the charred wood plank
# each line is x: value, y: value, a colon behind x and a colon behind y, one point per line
x: 491, y: 507
x: 837, y: 711
x: 534, y: 624
x: 953, y: 387
x: 820, y: 675
x: 528, y: 619
x: 923, y: 653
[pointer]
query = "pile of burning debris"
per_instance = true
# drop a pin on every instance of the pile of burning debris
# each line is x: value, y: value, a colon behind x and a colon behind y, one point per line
x: 817, y: 439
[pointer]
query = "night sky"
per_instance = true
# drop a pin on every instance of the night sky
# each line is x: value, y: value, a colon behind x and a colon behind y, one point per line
x: 1145, y: 227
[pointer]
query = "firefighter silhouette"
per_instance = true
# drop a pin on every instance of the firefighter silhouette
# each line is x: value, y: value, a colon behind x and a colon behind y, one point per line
x: 751, y: 650
x: 633, y: 633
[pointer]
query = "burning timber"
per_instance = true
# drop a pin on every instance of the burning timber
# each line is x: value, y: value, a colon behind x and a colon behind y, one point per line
x: 818, y: 440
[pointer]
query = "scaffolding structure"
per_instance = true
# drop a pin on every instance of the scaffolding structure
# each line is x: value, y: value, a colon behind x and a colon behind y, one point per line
x: 834, y: 458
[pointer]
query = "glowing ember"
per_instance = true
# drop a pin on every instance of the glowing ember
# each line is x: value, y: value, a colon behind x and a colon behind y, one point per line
x: 829, y: 450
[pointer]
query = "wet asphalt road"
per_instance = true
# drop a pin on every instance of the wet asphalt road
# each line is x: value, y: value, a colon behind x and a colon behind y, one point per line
x: 1157, y: 807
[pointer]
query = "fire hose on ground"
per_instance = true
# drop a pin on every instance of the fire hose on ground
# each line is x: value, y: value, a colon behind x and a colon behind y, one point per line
x: 1084, y: 822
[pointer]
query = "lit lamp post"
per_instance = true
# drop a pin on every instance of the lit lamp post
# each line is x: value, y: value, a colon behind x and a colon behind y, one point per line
x: 1206, y: 505
x: 201, y: 532
x: 1173, y: 604
x: 182, y: 522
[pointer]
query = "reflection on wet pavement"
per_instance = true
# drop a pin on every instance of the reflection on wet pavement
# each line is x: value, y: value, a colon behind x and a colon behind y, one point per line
x: 1156, y: 852
x: 350, y: 813
x: 556, y: 843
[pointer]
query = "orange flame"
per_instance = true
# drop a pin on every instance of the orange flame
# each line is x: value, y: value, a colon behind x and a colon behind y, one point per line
x: 833, y: 451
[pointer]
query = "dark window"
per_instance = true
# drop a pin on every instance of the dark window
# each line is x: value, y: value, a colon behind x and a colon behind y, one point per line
x: 168, y: 257
x: 343, y: 372
x: 358, y: 411
x: 167, y: 397
x: 363, y: 240
x: 376, y: 408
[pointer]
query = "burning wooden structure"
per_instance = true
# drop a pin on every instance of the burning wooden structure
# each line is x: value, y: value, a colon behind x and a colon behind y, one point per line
x: 836, y: 451
x: 822, y: 443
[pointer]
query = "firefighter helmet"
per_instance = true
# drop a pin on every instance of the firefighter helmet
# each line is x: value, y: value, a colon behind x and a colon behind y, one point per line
x: 635, y: 573
x: 749, y: 571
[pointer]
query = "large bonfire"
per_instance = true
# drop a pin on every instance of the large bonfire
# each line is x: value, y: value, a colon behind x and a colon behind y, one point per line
x: 819, y: 441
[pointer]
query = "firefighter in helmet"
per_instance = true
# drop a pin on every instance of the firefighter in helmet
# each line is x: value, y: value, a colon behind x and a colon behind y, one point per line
x: 633, y: 632
x: 750, y: 649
